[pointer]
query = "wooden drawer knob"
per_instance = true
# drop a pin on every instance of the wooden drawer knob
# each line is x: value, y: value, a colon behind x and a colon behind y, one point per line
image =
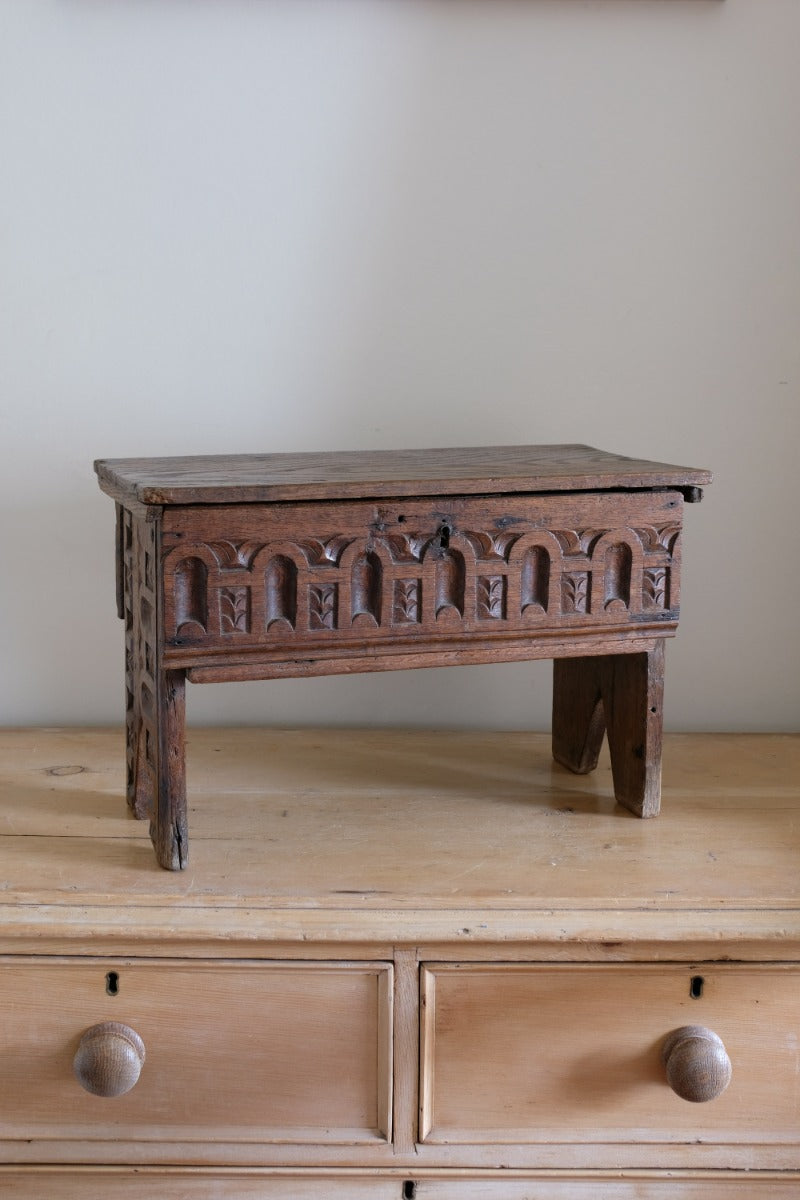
x: 697, y: 1063
x: 109, y: 1059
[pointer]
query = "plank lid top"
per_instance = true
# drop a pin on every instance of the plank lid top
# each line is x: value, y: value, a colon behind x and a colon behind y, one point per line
x: 368, y: 474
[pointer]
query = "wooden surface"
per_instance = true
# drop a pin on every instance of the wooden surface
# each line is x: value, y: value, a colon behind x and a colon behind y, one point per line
x: 512, y: 577
x: 337, y: 475
x: 401, y: 958
x: 515, y: 1053
x: 93, y: 1183
x: 390, y: 837
x: 478, y: 555
x: 98, y: 1183
x: 235, y: 1052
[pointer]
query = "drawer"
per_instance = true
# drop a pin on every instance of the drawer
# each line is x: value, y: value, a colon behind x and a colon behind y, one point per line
x: 751, y: 1185
x: 244, y: 1052
x: 282, y: 577
x: 98, y: 1183
x: 573, y: 1054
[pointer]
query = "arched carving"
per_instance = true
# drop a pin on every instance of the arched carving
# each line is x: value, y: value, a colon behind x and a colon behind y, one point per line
x: 535, y: 579
x: 366, y: 588
x: 535, y: 565
x: 451, y: 581
x: 280, y: 583
x: 617, y: 570
x: 617, y: 577
x: 191, y: 596
x: 433, y: 578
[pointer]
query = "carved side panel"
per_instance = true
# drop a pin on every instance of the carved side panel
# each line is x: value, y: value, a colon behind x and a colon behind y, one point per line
x: 139, y: 556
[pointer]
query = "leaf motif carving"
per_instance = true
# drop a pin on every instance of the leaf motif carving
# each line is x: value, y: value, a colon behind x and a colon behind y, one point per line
x: 575, y: 591
x: 659, y: 539
x: 233, y: 610
x: 234, y: 554
x: 406, y: 601
x: 482, y: 544
x: 322, y: 606
x: 403, y: 548
x: 491, y: 597
x: 503, y: 543
x: 654, y: 587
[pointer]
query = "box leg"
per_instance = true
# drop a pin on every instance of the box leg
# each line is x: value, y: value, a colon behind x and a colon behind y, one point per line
x: 623, y: 695
x: 633, y: 702
x: 168, y: 825
x: 578, y: 719
x: 154, y: 697
x: 140, y: 737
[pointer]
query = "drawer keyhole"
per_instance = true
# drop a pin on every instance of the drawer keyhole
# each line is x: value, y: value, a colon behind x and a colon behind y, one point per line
x: 696, y: 987
x: 409, y: 1189
x: 112, y: 983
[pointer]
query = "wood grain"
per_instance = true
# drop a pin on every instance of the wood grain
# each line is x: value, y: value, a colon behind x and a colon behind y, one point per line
x: 303, y: 584
x: 143, y: 1183
x: 696, y: 1063
x: 97, y: 1183
x: 619, y: 1185
x: 559, y: 942
x: 542, y: 1054
x: 236, y: 1052
x: 386, y: 834
x: 336, y: 475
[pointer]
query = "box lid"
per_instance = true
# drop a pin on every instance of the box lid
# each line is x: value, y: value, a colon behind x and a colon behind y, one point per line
x: 367, y: 474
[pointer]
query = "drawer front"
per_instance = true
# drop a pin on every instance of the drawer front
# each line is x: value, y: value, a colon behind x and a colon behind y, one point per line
x: 233, y: 1053
x: 97, y: 1183
x: 281, y: 577
x: 526, y: 1054
x: 637, y: 1186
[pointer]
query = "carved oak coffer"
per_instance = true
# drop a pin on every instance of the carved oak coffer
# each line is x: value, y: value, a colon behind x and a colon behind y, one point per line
x: 261, y: 566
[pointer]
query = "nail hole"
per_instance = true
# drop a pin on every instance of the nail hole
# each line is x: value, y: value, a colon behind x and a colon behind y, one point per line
x: 696, y: 987
x: 652, y: 710
x: 112, y: 983
x: 401, y: 520
x: 409, y: 1189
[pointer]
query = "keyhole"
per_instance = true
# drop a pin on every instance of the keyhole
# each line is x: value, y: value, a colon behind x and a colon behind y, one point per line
x: 112, y: 983
x: 696, y: 987
x: 444, y: 536
x: 409, y: 1189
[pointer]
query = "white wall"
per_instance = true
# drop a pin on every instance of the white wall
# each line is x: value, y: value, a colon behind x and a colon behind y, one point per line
x: 234, y: 225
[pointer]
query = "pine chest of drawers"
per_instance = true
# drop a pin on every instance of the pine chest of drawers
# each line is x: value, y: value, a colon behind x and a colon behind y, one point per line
x: 372, y: 984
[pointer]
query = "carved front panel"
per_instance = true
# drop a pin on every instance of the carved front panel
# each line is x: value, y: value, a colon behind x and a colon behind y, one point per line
x: 278, y: 576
